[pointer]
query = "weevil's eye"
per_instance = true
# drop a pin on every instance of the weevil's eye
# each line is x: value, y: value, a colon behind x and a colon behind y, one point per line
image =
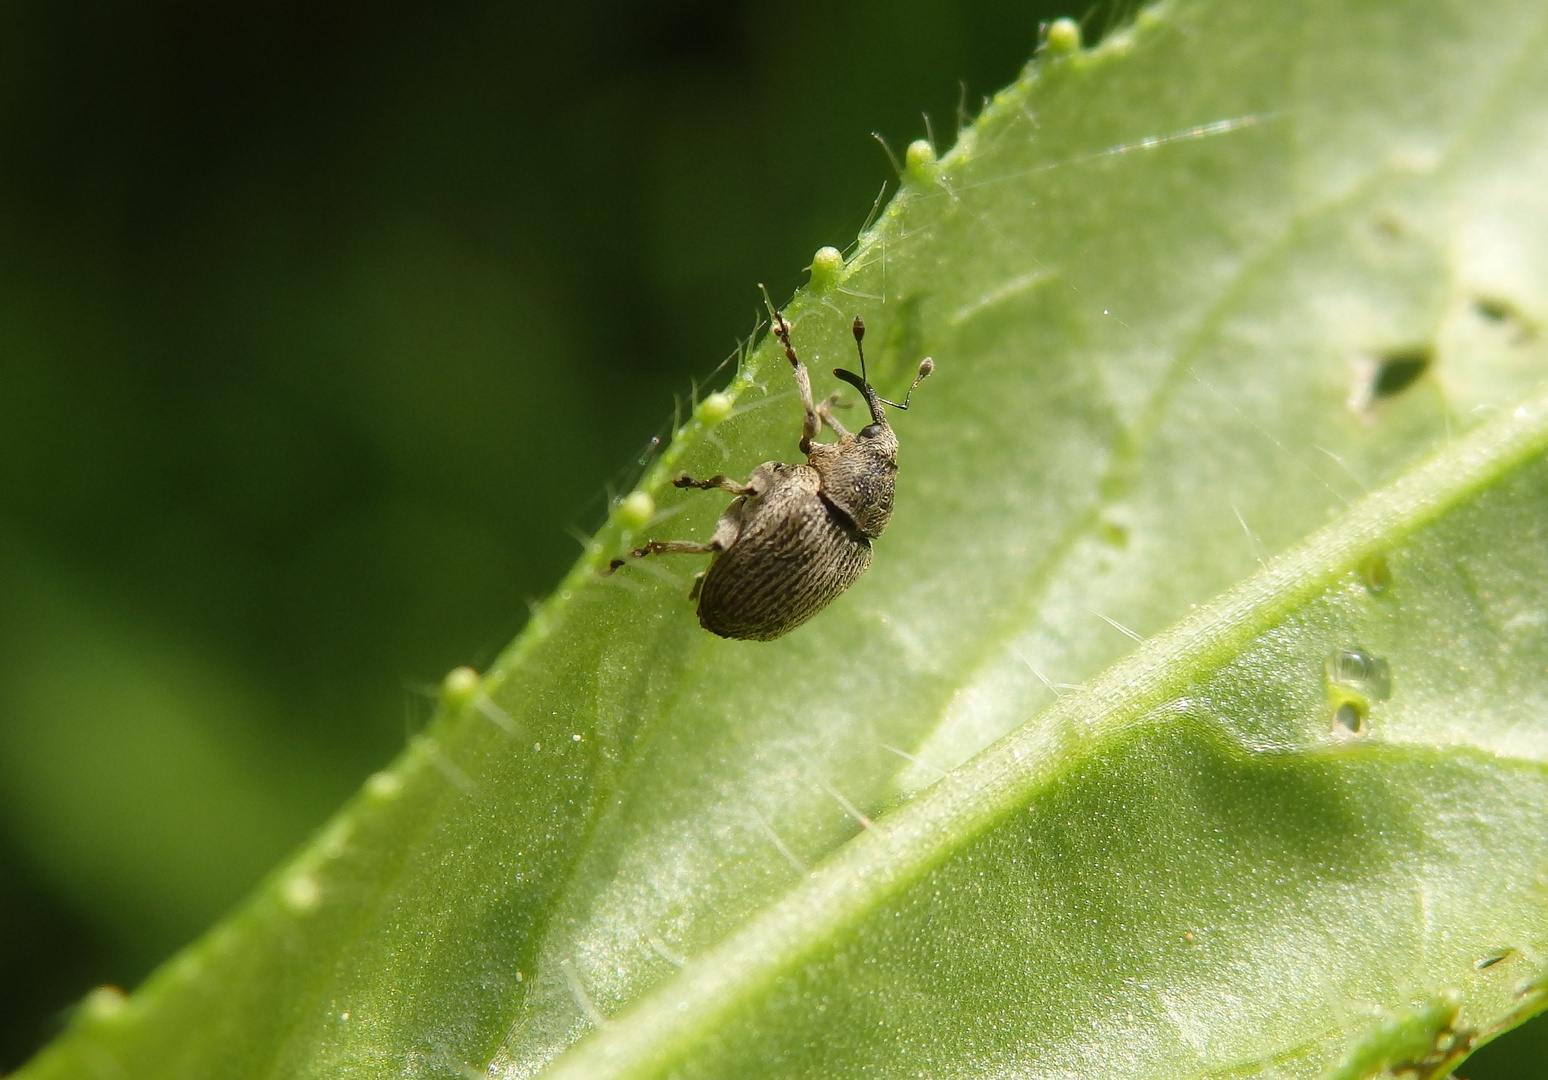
x: 870, y: 431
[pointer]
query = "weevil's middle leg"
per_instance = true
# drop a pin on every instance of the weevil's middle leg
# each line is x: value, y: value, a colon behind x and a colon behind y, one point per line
x: 825, y: 413
x: 724, y: 483
x: 674, y: 547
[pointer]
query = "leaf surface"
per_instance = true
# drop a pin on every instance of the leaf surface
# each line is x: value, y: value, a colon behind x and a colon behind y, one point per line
x: 1027, y: 800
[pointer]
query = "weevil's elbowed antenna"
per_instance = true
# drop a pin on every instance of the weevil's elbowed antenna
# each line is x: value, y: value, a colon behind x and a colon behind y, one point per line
x: 862, y: 382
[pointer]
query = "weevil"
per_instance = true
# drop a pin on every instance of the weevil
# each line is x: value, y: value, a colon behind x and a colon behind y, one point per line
x: 796, y: 536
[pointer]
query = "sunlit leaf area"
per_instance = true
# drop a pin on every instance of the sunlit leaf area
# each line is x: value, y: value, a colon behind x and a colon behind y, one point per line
x: 1190, y: 723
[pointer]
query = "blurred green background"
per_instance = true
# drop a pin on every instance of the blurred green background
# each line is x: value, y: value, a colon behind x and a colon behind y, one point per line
x: 323, y: 327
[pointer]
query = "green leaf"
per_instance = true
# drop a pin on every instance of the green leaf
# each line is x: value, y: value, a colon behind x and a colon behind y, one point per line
x: 1192, y: 294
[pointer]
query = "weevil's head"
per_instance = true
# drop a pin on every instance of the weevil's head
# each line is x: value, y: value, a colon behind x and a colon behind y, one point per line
x: 858, y: 472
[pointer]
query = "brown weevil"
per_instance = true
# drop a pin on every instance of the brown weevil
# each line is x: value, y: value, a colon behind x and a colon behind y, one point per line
x: 796, y: 536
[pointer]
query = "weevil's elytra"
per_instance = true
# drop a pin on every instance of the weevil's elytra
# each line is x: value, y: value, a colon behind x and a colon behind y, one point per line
x: 796, y: 536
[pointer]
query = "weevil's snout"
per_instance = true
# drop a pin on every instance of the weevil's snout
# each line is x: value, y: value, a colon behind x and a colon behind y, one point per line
x: 866, y: 391
x: 851, y: 378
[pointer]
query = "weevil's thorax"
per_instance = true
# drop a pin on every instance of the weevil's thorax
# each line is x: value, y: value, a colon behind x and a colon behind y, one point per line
x: 858, y: 474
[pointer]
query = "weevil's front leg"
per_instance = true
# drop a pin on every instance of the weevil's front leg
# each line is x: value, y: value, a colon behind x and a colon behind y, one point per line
x: 811, y: 426
x: 825, y: 413
x: 724, y: 483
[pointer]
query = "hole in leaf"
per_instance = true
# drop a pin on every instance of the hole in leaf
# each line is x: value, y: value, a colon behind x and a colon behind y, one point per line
x: 1350, y: 716
x: 1494, y: 310
x: 1376, y: 573
x: 1494, y: 958
x: 1398, y: 370
x: 1383, y: 376
x: 1506, y: 315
